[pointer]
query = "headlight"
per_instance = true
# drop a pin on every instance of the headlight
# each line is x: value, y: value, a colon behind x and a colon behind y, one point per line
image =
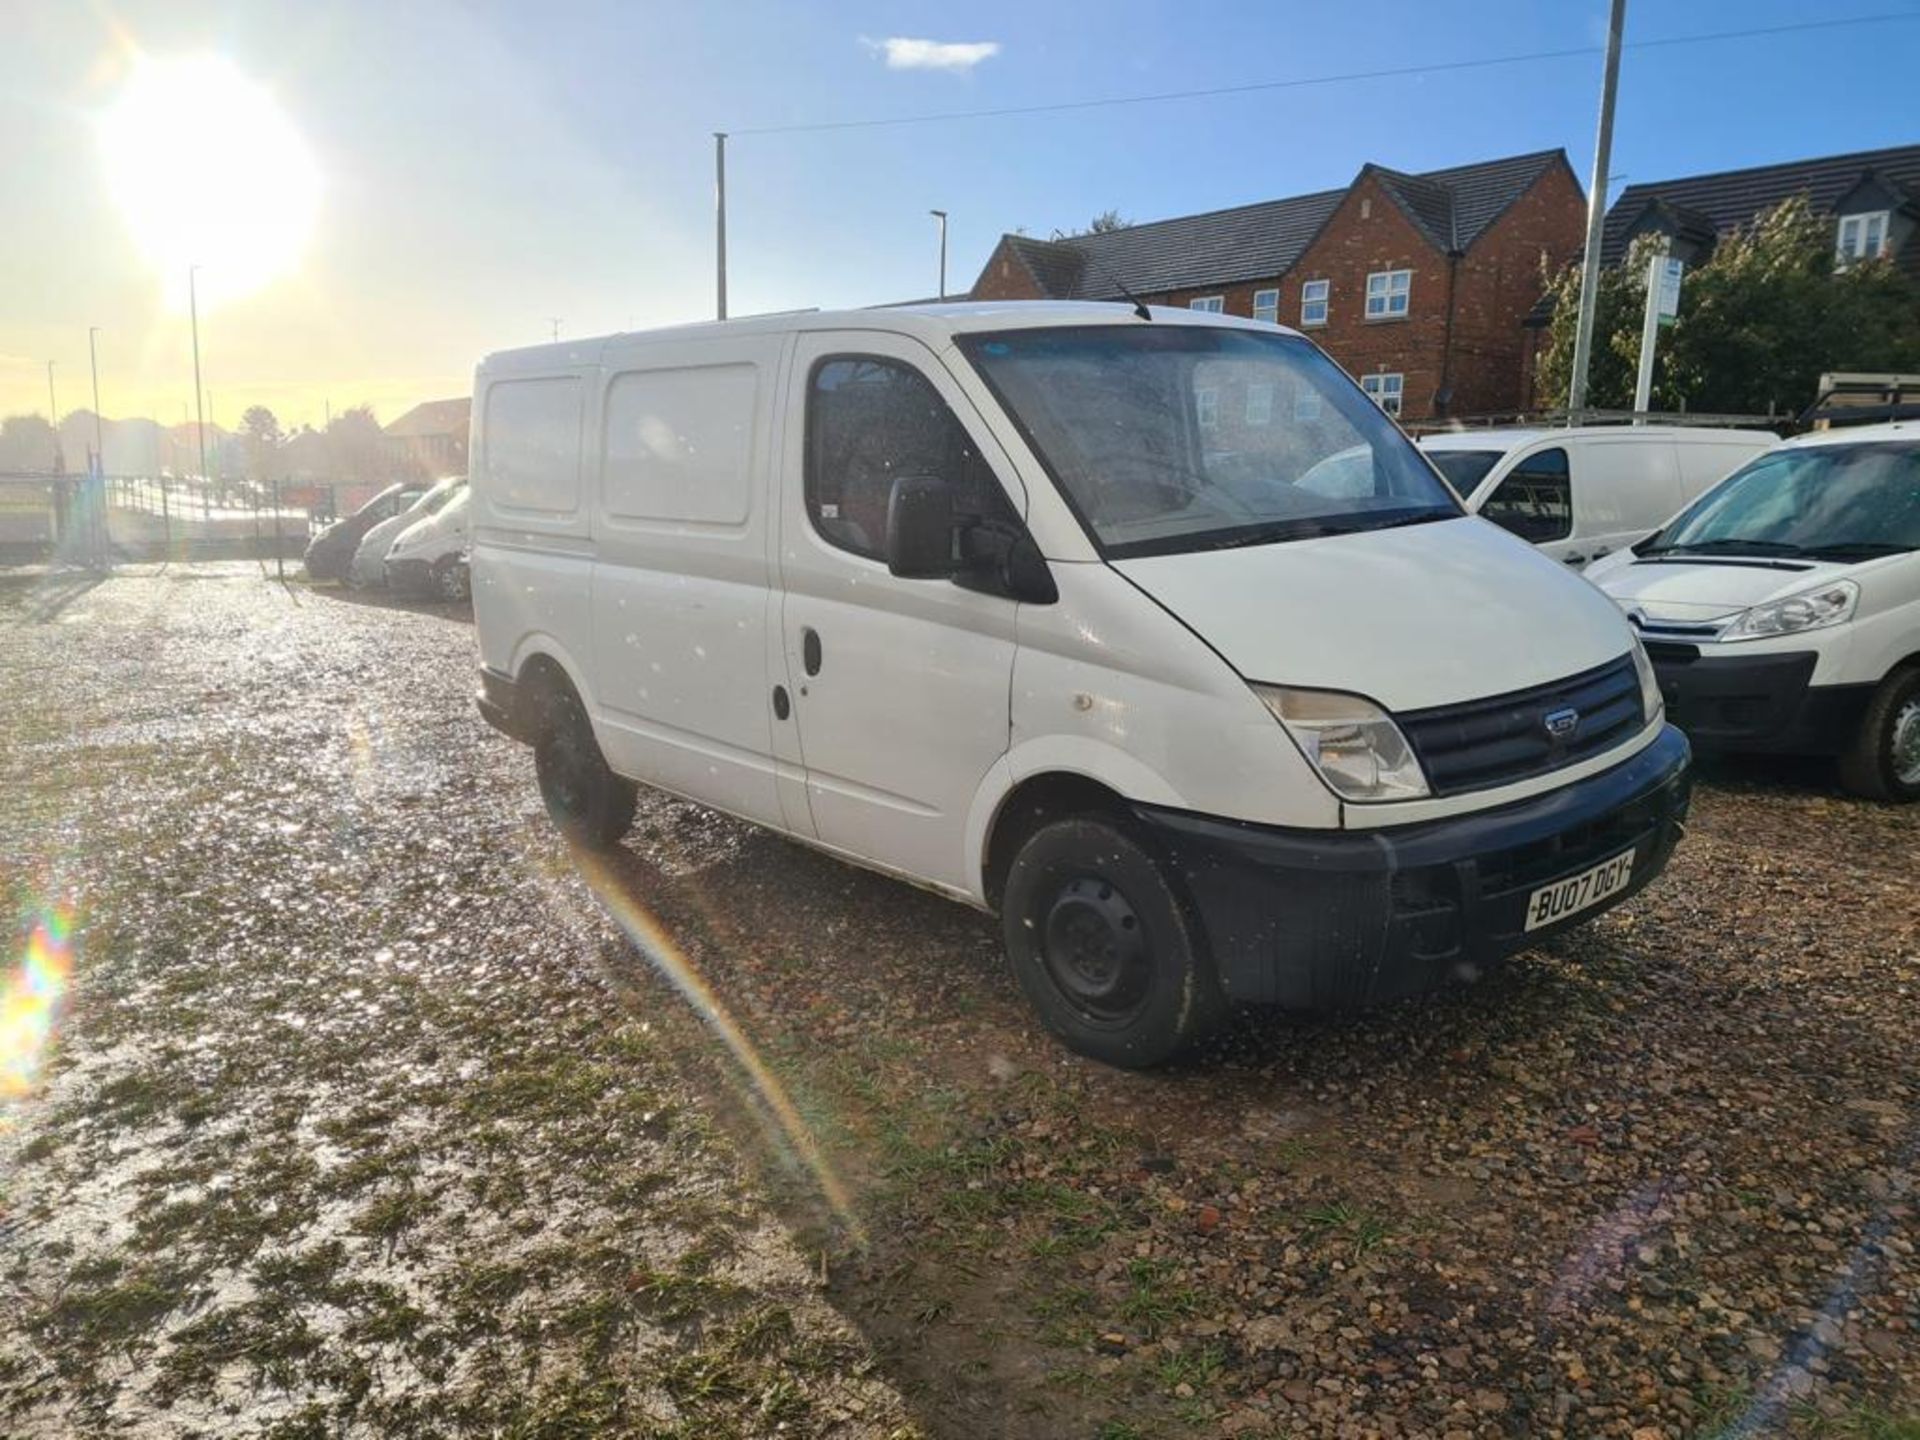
x: 1810, y: 610
x: 1651, y: 703
x: 1352, y: 742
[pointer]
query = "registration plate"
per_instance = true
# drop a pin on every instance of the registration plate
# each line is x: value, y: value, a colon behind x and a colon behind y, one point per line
x: 1575, y: 893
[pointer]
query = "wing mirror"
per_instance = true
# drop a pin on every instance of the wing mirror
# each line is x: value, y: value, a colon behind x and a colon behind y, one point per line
x: 920, y: 529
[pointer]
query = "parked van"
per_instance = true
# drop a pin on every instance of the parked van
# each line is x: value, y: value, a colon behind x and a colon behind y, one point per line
x: 1584, y: 491
x: 368, y: 567
x: 1020, y: 602
x: 1782, y: 608
x: 429, y: 557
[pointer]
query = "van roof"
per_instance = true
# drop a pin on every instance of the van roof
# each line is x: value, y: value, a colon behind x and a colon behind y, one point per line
x: 1505, y: 438
x: 934, y: 325
x: 1860, y: 434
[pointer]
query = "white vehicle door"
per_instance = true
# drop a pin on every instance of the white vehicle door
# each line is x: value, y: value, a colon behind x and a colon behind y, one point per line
x: 682, y: 575
x: 1535, y: 500
x: 1625, y: 486
x: 900, y: 688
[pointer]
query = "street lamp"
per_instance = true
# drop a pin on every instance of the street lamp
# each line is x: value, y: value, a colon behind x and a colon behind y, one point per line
x: 941, y: 216
x: 53, y: 419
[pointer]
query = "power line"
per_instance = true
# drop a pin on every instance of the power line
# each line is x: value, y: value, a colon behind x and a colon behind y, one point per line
x: 1402, y: 72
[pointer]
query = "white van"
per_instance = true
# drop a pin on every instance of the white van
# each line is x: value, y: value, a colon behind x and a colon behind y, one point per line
x: 1584, y: 491
x: 429, y: 557
x: 1020, y: 602
x: 1782, y: 608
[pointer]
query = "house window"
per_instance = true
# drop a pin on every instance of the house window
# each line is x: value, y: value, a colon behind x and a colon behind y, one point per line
x: 1313, y: 302
x: 1387, y: 293
x: 1384, y: 390
x: 1306, y: 404
x: 1212, y: 304
x: 1259, y: 404
x: 1863, y: 237
x: 1266, y: 306
x: 1206, y: 407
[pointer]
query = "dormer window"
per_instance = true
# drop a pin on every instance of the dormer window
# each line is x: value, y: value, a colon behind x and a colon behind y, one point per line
x: 1862, y: 237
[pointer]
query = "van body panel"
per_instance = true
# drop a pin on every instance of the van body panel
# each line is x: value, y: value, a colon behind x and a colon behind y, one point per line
x: 683, y: 568
x: 899, y: 686
x: 1112, y: 684
x: 1460, y: 599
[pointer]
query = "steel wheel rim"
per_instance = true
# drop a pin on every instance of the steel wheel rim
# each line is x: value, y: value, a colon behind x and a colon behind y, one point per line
x: 1904, y: 744
x: 1094, y: 949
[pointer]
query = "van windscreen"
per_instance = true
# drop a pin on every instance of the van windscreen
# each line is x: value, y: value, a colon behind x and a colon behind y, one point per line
x: 1169, y: 438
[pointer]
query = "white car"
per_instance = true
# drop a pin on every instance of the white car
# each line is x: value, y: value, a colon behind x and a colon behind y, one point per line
x: 1782, y: 608
x: 1583, y: 491
x: 429, y: 557
x: 370, y: 558
x: 1024, y: 603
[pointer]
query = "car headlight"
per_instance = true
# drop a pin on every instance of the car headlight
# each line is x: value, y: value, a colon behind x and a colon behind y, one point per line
x: 1352, y: 742
x: 1652, y: 703
x: 1809, y: 610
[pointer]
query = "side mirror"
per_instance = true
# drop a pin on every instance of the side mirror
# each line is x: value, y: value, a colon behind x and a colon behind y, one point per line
x: 920, y: 529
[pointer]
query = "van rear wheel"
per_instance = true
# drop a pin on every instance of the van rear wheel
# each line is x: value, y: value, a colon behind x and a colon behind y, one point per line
x: 1103, y: 947
x: 1884, y: 761
x: 592, y: 806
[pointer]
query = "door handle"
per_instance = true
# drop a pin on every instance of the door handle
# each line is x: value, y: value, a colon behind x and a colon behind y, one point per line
x: 810, y: 649
x: 1574, y: 559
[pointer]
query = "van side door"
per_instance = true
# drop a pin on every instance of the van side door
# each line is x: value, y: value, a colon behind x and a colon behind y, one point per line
x: 901, y: 688
x: 682, y: 574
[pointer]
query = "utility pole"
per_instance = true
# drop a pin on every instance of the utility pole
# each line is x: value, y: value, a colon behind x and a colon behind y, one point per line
x: 199, y: 405
x: 720, y: 222
x: 53, y: 417
x: 554, y: 321
x: 1596, y: 218
x: 93, y: 362
x: 941, y: 216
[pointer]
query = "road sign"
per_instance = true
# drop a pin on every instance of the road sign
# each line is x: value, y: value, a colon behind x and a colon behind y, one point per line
x: 1667, y: 272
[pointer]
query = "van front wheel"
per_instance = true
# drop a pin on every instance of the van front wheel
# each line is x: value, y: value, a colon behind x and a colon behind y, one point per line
x: 1103, y: 948
x: 1884, y: 761
x: 591, y: 805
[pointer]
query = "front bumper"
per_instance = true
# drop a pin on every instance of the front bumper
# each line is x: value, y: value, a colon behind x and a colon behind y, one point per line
x: 1337, y: 919
x: 410, y: 576
x: 1756, y: 702
x: 504, y: 705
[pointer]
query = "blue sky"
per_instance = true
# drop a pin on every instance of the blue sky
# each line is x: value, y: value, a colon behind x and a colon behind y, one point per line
x: 486, y: 166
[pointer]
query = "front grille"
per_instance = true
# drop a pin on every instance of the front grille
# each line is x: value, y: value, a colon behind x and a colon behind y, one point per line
x: 1482, y: 743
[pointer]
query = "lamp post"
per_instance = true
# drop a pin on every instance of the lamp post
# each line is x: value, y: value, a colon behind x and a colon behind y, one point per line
x: 720, y: 223
x: 1596, y: 219
x: 941, y: 216
x: 200, y: 421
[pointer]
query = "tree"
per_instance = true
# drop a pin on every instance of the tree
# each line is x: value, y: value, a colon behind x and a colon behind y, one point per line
x: 262, y: 436
x: 1104, y: 223
x: 1758, y: 323
x: 27, y: 444
x: 355, y: 446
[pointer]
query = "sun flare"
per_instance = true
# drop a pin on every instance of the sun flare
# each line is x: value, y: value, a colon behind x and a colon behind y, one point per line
x: 207, y: 170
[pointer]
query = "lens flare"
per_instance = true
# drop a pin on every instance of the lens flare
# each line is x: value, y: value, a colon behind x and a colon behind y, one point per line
x: 31, y: 1001
x: 671, y: 961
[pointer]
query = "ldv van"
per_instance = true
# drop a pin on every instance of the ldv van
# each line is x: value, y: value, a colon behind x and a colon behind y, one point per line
x: 1584, y: 491
x: 1022, y: 603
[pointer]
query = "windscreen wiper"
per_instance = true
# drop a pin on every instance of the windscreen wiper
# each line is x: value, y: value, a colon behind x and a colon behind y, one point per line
x: 1856, y: 550
x: 1728, y: 545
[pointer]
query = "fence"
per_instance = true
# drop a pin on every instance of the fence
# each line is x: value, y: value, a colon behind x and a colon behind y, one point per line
x: 98, y: 520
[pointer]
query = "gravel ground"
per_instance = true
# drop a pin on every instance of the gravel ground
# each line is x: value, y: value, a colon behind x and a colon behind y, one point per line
x: 370, y: 1112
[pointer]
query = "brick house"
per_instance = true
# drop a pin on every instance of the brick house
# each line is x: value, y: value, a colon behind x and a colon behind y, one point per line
x: 1417, y: 284
x: 1871, y: 196
x: 432, y: 436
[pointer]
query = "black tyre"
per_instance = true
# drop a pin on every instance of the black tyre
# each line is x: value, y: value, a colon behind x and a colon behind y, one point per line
x: 592, y: 806
x: 1883, y: 762
x: 1103, y: 947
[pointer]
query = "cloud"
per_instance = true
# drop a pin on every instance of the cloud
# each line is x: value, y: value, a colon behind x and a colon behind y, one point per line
x: 958, y: 56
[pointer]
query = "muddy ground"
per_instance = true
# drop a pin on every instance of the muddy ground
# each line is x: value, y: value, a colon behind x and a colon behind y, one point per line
x: 369, y: 1111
